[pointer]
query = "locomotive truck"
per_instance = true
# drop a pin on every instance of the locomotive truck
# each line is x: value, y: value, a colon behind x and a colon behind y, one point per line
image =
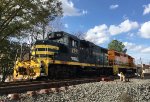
x: 62, y: 55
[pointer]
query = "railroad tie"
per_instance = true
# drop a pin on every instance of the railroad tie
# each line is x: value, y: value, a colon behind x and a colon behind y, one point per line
x: 31, y: 93
x: 14, y: 96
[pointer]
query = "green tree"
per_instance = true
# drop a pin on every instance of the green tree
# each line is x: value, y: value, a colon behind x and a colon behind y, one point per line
x: 8, y: 54
x: 19, y: 15
x: 117, y: 46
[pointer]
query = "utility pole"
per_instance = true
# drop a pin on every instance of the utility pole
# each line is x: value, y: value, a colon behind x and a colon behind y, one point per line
x: 141, y: 62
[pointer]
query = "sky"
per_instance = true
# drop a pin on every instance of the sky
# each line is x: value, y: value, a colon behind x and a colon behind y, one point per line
x: 105, y: 20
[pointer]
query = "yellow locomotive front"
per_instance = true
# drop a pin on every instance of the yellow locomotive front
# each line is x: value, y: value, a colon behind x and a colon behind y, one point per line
x: 25, y: 70
x: 37, y: 65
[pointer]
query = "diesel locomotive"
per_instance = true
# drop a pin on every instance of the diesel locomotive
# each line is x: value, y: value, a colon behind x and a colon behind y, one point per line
x: 62, y: 55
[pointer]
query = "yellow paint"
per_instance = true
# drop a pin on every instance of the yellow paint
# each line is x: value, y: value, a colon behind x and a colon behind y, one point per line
x: 47, y: 46
x: 29, y: 65
x: 42, y: 52
x: 115, y: 69
x: 121, y: 66
x: 76, y: 63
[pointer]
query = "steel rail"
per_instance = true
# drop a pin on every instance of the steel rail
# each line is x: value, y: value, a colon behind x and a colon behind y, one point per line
x: 21, y: 88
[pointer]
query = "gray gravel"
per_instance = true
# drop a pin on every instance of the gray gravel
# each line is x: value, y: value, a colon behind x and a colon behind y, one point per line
x: 137, y: 90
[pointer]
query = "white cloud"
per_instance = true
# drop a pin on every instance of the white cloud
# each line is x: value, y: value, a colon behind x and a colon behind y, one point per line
x: 145, y: 30
x: 125, y: 26
x: 137, y: 48
x: 125, y: 17
x: 84, y: 12
x: 146, y: 50
x: 66, y: 25
x: 138, y: 51
x: 98, y: 34
x: 70, y: 10
x: 131, y: 34
x: 146, y: 9
x: 102, y: 33
x: 113, y: 6
x: 133, y: 47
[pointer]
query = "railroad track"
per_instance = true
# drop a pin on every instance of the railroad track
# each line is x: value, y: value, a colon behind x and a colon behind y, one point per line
x: 21, y: 83
x: 20, y: 87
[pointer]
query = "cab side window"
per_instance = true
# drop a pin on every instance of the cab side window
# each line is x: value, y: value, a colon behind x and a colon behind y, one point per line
x: 73, y: 43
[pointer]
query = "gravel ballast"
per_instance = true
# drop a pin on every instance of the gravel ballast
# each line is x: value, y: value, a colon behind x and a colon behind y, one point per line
x: 137, y: 90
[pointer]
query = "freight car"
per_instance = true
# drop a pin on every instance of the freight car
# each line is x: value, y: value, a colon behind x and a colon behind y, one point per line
x: 62, y: 55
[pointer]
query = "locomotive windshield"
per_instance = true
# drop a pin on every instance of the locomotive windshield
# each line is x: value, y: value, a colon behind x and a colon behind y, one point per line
x: 58, y: 37
x: 55, y: 35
